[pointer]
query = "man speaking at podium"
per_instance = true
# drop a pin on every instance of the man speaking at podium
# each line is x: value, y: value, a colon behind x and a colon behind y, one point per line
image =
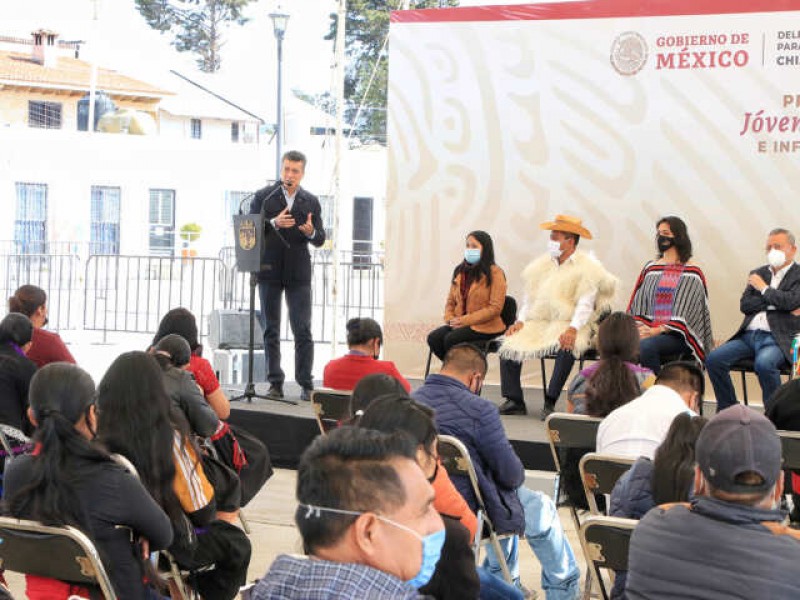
x: 292, y: 220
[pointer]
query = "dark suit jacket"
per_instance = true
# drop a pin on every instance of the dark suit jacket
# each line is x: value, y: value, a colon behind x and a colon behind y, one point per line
x: 290, y: 265
x: 785, y: 299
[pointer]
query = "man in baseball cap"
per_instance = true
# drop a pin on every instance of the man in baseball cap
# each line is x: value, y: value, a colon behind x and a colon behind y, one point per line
x: 731, y: 540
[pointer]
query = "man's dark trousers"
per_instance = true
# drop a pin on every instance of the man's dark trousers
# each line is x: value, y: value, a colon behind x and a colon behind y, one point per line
x: 511, y: 371
x: 298, y: 302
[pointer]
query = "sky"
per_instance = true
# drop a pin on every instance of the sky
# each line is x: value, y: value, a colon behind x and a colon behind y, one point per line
x: 120, y: 39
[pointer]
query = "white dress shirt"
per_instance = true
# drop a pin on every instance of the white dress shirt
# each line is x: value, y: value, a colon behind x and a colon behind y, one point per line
x: 760, y: 320
x: 637, y: 428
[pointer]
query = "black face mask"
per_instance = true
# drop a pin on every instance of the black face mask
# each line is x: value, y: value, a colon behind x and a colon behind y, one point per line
x: 435, y: 473
x: 664, y: 243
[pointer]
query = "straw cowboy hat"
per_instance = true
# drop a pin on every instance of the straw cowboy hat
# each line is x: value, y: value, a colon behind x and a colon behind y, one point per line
x: 568, y: 224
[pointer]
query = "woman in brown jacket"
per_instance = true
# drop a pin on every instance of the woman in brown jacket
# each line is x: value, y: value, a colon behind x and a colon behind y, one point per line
x: 477, y: 294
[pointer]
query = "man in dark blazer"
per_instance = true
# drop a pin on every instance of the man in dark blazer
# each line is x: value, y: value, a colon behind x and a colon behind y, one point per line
x: 771, y: 307
x: 294, y: 221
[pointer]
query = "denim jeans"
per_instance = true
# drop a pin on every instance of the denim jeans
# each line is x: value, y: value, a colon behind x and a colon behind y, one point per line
x: 757, y: 344
x: 560, y: 574
x: 496, y: 588
x: 653, y: 350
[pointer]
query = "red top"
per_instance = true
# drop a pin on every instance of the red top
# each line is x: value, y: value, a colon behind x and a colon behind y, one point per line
x: 48, y: 347
x: 345, y: 372
x: 203, y: 374
x: 43, y: 588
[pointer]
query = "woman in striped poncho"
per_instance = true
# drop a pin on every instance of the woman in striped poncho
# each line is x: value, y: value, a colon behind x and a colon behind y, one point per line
x: 670, y: 301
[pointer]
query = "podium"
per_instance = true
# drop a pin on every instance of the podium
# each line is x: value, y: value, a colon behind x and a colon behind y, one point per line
x: 248, y: 232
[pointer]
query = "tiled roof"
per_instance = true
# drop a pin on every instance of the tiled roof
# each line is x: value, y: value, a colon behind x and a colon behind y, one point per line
x: 18, y: 69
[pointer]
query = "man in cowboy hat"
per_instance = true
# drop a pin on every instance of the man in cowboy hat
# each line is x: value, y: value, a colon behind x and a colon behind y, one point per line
x: 566, y: 290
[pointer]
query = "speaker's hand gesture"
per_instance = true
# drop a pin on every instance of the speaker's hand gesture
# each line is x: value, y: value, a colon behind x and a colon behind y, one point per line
x: 308, y: 227
x: 284, y: 220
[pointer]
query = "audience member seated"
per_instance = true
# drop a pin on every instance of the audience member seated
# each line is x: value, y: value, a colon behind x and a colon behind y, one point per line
x: 48, y: 346
x: 455, y: 575
x: 670, y: 301
x: 181, y: 321
x: 68, y: 480
x: 667, y: 478
x: 372, y: 387
x: 237, y: 448
x: 730, y: 541
x: 770, y: 304
x: 364, y: 339
x: 462, y: 413
x: 566, y: 293
x: 637, y: 428
x: 476, y: 298
x: 172, y: 353
x: 367, y: 519
x: 602, y: 387
x: 137, y: 419
x: 16, y: 371
x: 784, y: 412
x: 616, y: 378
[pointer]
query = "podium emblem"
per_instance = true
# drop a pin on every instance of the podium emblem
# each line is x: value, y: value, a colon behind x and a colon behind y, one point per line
x: 247, y: 234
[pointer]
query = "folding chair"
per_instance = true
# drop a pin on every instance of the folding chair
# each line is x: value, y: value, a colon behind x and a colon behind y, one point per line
x: 508, y: 315
x: 456, y: 460
x: 330, y: 408
x: 599, y: 474
x: 747, y: 365
x: 605, y: 542
x: 567, y: 431
x: 70, y: 555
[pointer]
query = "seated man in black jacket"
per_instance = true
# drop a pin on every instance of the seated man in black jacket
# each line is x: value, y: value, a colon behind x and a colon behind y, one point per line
x: 730, y: 542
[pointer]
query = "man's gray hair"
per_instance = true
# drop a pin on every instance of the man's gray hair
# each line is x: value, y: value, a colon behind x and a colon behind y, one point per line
x: 786, y: 232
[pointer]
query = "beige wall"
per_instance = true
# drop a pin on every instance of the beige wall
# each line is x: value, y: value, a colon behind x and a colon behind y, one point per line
x: 501, y: 125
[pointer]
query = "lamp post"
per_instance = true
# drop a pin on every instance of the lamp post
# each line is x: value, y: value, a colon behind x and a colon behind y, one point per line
x: 279, y: 22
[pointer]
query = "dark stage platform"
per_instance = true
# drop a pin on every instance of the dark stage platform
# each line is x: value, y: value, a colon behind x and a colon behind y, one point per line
x: 287, y: 429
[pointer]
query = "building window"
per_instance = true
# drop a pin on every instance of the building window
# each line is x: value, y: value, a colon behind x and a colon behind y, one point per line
x: 46, y: 115
x: 104, y: 220
x: 235, y: 131
x: 162, y: 222
x: 197, y: 129
x: 362, y: 230
x: 30, y: 225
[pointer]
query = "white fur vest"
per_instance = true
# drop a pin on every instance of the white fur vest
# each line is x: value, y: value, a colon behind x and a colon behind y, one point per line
x: 552, y: 293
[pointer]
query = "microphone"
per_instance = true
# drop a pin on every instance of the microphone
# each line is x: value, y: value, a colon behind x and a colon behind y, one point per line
x: 267, y: 222
x: 251, y: 194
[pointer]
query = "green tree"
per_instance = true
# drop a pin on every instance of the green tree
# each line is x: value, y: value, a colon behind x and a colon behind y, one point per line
x: 366, y: 30
x: 197, y: 26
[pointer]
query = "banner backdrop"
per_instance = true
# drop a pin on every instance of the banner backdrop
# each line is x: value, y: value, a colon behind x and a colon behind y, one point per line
x: 618, y: 112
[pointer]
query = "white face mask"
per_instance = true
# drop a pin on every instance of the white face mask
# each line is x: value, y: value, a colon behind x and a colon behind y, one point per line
x: 554, y: 248
x: 776, y: 258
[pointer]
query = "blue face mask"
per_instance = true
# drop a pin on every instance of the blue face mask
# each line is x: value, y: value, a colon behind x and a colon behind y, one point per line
x: 472, y: 255
x: 431, y: 543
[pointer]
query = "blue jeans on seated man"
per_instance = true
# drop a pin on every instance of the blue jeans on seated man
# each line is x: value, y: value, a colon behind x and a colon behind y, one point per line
x: 768, y: 359
x: 561, y: 577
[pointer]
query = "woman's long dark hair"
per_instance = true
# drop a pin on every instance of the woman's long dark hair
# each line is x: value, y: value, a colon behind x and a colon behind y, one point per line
x: 398, y: 412
x: 27, y: 299
x: 484, y: 265
x: 16, y: 328
x: 673, y: 464
x: 182, y: 322
x: 681, y: 236
x: 137, y: 419
x: 61, y: 394
x: 613, y: 384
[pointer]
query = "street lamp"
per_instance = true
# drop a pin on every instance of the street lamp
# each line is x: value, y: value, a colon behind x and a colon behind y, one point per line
x: 279, y: 22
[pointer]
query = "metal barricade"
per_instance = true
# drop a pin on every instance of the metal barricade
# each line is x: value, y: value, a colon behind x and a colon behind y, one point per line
x: 132, y: 293
x: 59, y: 275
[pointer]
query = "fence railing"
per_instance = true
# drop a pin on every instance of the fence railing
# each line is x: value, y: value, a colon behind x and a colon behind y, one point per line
x: 126, y: 293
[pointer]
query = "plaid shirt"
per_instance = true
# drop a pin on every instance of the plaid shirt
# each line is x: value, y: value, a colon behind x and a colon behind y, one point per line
x: 301, y: 578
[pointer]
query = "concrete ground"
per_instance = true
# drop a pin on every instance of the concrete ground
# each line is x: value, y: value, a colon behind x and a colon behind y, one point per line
x: 270, y: 515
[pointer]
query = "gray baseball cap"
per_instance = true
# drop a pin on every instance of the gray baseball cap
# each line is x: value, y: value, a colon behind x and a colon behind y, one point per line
x: 735, y: 441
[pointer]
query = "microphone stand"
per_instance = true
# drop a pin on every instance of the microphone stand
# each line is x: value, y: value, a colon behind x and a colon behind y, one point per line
x: 249, y: 391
